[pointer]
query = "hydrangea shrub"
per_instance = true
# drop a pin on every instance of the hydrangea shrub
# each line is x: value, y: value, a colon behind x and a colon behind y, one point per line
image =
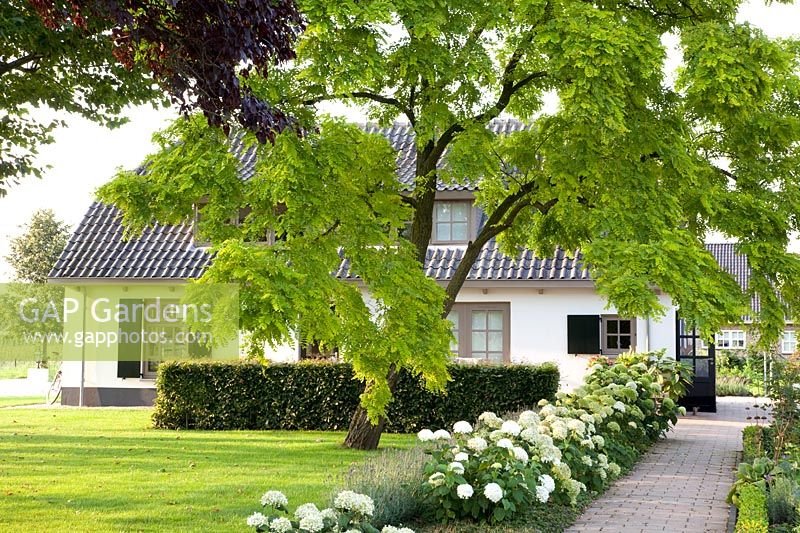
x: 563, y: 448
x: 351, y: 513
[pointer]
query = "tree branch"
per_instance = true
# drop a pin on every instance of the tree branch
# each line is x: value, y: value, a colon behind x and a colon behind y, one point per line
x: 500, y: 220
x: 19, y: 64
x: 369, y: 95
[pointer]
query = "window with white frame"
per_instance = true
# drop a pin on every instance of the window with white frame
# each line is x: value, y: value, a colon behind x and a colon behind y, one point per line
x: 731, y: 339
x: 451, y: 221
x: 618, y: 334
x: 481, y: 331
x: 789, y: 341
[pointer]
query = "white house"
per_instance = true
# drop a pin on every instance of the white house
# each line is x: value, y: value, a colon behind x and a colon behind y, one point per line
x: 511, y: 310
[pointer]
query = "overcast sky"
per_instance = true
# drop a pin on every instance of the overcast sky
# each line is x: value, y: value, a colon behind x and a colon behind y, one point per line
x: 85, y: 155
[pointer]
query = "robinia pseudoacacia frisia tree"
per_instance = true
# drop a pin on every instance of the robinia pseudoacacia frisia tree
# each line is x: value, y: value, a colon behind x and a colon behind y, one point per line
x: 632, y: 168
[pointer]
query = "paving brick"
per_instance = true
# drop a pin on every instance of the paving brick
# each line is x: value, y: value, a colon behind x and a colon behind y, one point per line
x: 680, y: 485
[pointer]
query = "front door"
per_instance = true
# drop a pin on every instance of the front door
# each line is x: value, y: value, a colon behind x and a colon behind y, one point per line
x: 700, y: 357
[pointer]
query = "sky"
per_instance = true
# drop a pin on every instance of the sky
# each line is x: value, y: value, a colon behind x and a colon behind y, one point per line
x: 84, y: 155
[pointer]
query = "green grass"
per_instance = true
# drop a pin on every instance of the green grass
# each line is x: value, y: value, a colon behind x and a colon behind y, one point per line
x: 21, y: 400
x: 106, y: 470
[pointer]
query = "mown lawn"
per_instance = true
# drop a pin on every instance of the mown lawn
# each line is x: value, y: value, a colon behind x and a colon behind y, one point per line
x: 106, y: 470
x: 21, y: 400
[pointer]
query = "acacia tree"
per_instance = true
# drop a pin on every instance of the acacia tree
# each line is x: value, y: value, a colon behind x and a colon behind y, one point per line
x: 94, y: 57
x: 632, y: 169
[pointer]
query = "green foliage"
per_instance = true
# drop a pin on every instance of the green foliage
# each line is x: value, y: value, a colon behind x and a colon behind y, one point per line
x: 69, y: 69
x: 626, y: 168
x: 783, y: 497
x: 733, y: 386
x: 322, y: 395
x: 752, y: 505
x: 34, y: 253
x: 393, y: 480
x: 757, y: 441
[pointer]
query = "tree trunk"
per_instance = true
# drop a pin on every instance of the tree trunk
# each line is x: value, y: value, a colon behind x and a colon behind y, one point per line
x: 362, y: 435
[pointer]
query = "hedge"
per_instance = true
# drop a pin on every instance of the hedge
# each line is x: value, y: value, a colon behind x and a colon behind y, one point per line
x: 323, y: 396
x: 756, y: 442
x: 752, y: 516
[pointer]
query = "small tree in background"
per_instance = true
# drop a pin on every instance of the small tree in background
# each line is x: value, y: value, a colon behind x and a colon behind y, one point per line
x: 34, y: 253
x: 32, y: 256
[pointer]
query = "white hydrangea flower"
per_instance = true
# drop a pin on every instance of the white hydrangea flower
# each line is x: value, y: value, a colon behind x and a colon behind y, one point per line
x: 505, y: 443
x: 562, y: 471
x: 281, y: 525
x: 477, y: 444
x: 602, y: 460
x: 347, y: 500
x: 490, y: 420
x: 329, y: 514
x: 521, y: 454
x: 463, y: 427
x: 547, y: 482
x: 632, y: 385
x: 425, y: 435
x: 436, y: 479
x: 588, y: 443
x: 632, y: 424
x: 587, y: 460
x: 547, y: 409
x: 465, y: 491
x: 655, y: 387
x: 496, y: 466
x: 510, y: 427
x: 441, y: 434
x: 274, y: 498
x: 560, y: 431
x: 587, y: 418
x: 493, y: 492
x: 614, y: 469
x: 257, y: 520
x: 577, y: 426
x: 599, y: 440
x: 461, y: 457
x: 389, y: 529
x: 305, y: 510
x: 528, y: 419
x: 529, y: 435
x: 619, y: 406
x: 542, y: 494
x: 496, y: 435
x: 456, y: 467
x: 312, y: 523
x: 682, y: 410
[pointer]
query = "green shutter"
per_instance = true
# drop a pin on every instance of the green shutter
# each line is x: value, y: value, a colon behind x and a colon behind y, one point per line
x: 583, y: 334
x: 129, y: 350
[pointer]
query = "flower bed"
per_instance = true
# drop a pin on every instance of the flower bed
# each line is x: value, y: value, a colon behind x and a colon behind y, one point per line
x: 767, y: 488
x: 576, y: 444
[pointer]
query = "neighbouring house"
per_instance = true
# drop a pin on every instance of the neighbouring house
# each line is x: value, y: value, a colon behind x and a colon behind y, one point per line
x: 522, y: 309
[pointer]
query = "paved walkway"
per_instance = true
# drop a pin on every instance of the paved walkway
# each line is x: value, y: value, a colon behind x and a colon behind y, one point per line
x: 680, y: 485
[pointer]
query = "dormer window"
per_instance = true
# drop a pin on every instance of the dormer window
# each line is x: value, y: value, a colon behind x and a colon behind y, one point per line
x: 452, y: 222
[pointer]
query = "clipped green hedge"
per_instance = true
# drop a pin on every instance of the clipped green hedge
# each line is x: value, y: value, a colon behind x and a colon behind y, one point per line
x: 756, y: 442
x: 323, y: 396
x: 752, y: 516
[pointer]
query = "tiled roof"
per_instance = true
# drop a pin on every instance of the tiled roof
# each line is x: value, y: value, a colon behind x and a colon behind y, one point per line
x: 97, y: 250
x: 401, y: 137
x: 737, y: 266
x: 441, y: 263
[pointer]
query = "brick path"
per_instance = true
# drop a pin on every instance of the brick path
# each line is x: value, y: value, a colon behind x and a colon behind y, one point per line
x: 680, y: 485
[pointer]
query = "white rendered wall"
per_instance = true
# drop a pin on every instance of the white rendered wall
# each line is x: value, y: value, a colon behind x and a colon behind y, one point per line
x: 539, y: 325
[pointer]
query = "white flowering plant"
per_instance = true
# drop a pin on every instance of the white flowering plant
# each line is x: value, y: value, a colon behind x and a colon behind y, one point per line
x: 578, y: 443
x: 351, y: 513
x: 471, y: 475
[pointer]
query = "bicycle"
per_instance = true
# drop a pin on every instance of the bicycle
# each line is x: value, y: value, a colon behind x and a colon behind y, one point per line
x: 54, y: 392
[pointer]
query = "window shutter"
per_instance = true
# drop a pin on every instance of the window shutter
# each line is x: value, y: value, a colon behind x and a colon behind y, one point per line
x: 583, y: 334
x: 129, y: 350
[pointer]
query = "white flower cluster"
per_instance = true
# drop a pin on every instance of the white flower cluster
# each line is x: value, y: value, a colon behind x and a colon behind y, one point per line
x: 353, y: 502
x: 354, y: 508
